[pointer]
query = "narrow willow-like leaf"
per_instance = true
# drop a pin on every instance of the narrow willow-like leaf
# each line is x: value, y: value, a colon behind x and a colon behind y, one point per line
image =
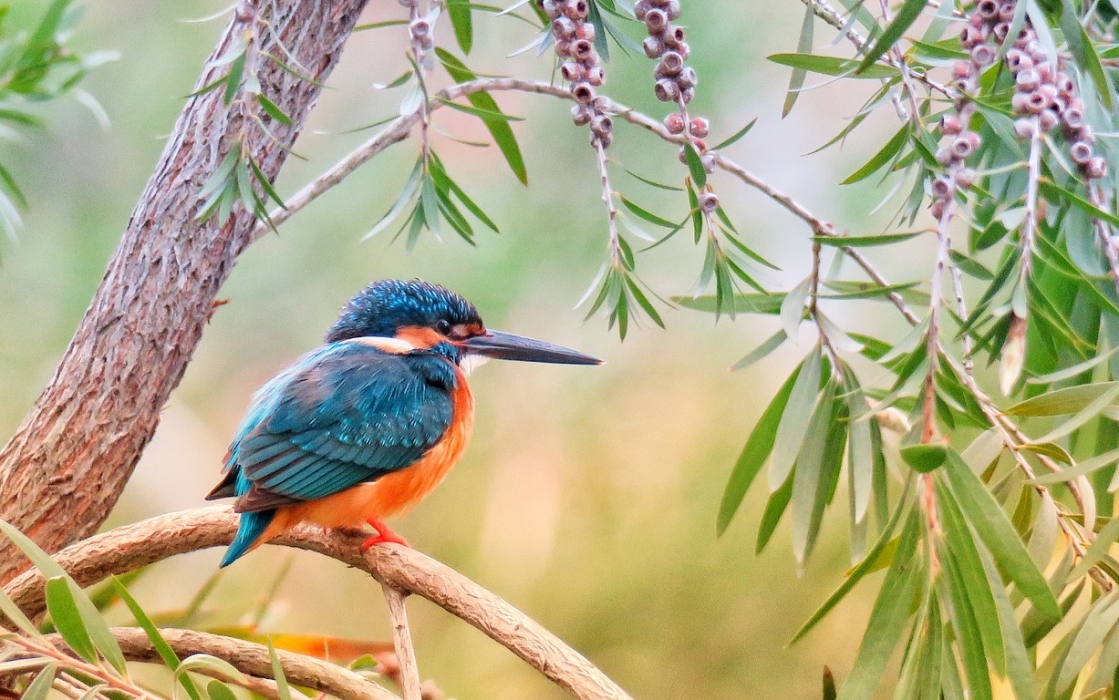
x: 647, y: 215
x: 866, y: 241
x: 67, y: 620
x: 966, y: 628
x: 772, y: 343
x: 463, y: 24
x: 998, y: 534
x: 39, y: 689
x: 808, y: 476
x: 482, y: 114
x: 1100, y: 619
x: 804, y: 46
x: 273, y: 110
x: 795, y: 419
x: 170, y: 658
x: 887, y: 619
x: 1062, y: 401
x: 1097, y: 550
x: 735, y: 136
x: 830, y: 65
x: 210, y: 664
x: 1018, y: 667
x: 880, y: 159
x: 860, y: 448
x: 905, y: 17
x: 1086, y: 467
x: 1089, y: 412
x: 219, y: 691
x: 10, y: 610
x: 695, y: 165
x: 774, y: 509
x: 282, y: 688
x: 792, y: 308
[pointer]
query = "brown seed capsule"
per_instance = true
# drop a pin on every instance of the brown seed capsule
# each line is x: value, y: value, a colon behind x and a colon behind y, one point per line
x: 563, y: 48
x: 427, y: 42
x: 1048, y: 120
x: 1016, y: 60
x: 965, y: 178
x: 656, y: 21
x: 551, y: 7
x: 563, y: 28
x: 687, y: 95
x: 1001, y: 31
x: 1096, y: 168
x: 580, y: 115
x: 653, y: 45
x: 699, y: 126
x: 1024, y: 128
x: 987, y: 9
x: 582, y: 92
x: 1019, y: 102
x: 576, y: 9
x: 1045, y: 71
x: 585, y: 30
x: 1080, y: 152
x: 1065, y: 85
x: 687, y: 78
x: 682, y: 48
x: 708, y: 202
x: 573, y: 72
x: 1084, y: 134
x: 1027, y: 80
x: 672, y: 9
x: 1036, y: 51
x: 1036, y: 102
x: 983, y: 54
x: 963, y: 147
x: 596, y: 76
x: 602, y: 124
x: 708, y: 160
x: 942, y: 187
x: 674, y: 36
x: 605, y: 139
x: 971, y: 36
x: 674, y: 123
x: 961, y: 69
x: 419, y: 28
x: 666, y: 90
x: 944, y: 155
x: 682, y: 155
x: 601, y: 105
x: 937, y: 209
x: 671, y: 63
x: 1006, y: 11
x: 640, y: 8
x: 582, y: 50
x: 1049, y: 92
x: 950, y: 125
x: 1025, y: 36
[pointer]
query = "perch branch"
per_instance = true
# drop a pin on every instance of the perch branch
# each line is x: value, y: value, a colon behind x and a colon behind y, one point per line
x: 133, y: 546
x: 402, y: 641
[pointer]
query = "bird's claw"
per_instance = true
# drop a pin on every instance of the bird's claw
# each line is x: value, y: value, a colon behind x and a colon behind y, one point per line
x: 384, y: 534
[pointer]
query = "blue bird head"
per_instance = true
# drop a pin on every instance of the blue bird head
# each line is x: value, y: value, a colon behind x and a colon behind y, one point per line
x: 430, y: 317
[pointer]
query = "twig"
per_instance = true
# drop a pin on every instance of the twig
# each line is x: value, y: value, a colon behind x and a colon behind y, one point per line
x: 1029, y: 225
x: 133, y: 546
x: 402, y: 640
x: 1103, y: 234
x: 607, y: 197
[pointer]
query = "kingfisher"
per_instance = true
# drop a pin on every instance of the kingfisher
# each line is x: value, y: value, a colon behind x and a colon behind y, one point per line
x: 367, y: 425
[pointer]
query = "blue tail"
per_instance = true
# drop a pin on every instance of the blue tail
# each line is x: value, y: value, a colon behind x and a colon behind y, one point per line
x: 252, y: 526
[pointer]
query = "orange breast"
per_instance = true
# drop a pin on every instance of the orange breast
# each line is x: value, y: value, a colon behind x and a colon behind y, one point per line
x: 393, y: 494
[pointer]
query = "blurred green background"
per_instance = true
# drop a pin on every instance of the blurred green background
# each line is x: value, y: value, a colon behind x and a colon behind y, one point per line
x: 588, y: 496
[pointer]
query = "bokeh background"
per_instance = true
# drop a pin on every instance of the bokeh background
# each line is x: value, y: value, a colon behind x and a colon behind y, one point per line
x: 588, y: 496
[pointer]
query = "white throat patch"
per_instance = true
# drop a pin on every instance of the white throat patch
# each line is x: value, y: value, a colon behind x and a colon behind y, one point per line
x: 470, y: 362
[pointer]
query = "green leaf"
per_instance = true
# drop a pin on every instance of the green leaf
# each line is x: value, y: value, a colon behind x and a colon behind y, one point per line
x: 735, y: 136
x: 219, y: 691
x: 1085, y: 53
x: 282, y: 688
x: 774, y: 509
x: 499, y: 128
x: 865, y: 241
x: 648, y: 215
x: 1063, y: 401
x: 654, y: 183
x: 695, y: 165
x: 1053, y: 192
x: 880, y: 159
x: 39, y: 689
x: 795, y: 419
x: 905, y: 17
x: 67, y: 620
x: 804, y: 46
x: 210, y: 665
x: 966, y: 628
x: 1074, y: 370
x: 98, y: 629
x: 170, y: 658
x: 830, y: 65
x: 1086, y: 467
x: 463, y: 24
x: 274, y: 111
x: 772, y: 343
x: 887, y: 619
x: 743, y: 303
x: 1100, y: 619
x: 484, y: 114
x: 10, y: 610
x: 809, y: 478
x: 998, y: 535
x: 792, y: 308
x: 1096, y: 551
x: 1018, y: 667
x: 925, y: 457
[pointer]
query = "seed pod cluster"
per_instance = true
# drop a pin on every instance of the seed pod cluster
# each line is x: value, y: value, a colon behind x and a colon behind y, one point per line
x: 574, y: 41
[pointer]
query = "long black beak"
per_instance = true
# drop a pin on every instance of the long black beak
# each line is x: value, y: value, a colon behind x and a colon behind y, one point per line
x: 506, y: 346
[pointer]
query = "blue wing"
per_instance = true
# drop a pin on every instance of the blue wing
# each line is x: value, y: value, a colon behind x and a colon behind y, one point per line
x: 344, y: 414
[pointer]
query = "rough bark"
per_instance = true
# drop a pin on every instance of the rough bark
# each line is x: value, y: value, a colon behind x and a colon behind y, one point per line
x: 65, y: 467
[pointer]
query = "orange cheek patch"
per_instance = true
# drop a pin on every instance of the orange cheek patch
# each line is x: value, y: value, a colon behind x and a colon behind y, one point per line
x: 419, y: 336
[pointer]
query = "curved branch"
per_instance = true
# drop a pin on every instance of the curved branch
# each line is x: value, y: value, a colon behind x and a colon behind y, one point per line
x: 405, y: 569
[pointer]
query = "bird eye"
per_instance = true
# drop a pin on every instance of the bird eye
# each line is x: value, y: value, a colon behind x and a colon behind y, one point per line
x: 443, y: 326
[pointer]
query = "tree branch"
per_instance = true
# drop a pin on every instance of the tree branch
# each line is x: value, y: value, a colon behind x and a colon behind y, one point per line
x: 155, y: 539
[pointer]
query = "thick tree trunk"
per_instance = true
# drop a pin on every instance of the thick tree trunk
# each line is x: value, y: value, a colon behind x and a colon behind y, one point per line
x: 65, y: 467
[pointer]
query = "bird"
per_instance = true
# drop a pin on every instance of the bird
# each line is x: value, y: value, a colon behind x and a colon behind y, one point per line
x: 365, y: 426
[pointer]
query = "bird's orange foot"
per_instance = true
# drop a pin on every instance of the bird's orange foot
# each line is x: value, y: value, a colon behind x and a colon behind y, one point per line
x: 384, y: 534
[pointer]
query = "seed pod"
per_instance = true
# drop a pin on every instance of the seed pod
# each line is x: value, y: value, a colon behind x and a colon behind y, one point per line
x: 640, y: 8
x: 1049, y: 92
x: 585, y: 30
x: 682, y: 48
x: 944, y: 155
x: 1001, y: 31
x: 1048, y: 120
x: 1027, y: 80
x: 700, y: 145
x: 576, y: 9
x: 666, y: 90
x: 1025, y: 36
x: 582, y: 50
x: 573, y: 72
x: 551, y: 7
x: 580, y: 115
x: 1036, y: 51
x: 605, y: 139
x: 1017, y: 60
x: 653, y: 45
x: 1085, y: 134
x: 687, y: 94
x: 596, y: 76
x: 1080, y: 152
x: 963, y: 147
x: 1024, y: 128
x: 1006, y: 11
x: 965, y: 178
x: 427, y: 42
x: 419, y: 28
x: 687, y: 78
x: 656, y: 21
x: 987, y: 9
x: 671, y: 63
x: 674, y: 123
x: 975, y: 20
x: 1036, y: 102
x: 961, y: 69
x: 601, y: 124
x: 983, y: 54
x: 1045, y: 71
x: 1096, y: 168
x: 563, y: 28
x: 601, y: 105
x: 674, y: 36
x: 942, y: 187
x: 672, y: 9
x: 1019, y: 102
x: 563, y: 48
x: 1065, y: 85
x: 708, y: 202
x: 970, y: 36
x: 682, y: 156
x: 950, y: 125
x: 699, y: 126
x: 937, y: 209
x: 583, y: 93
x: 708, y: 160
